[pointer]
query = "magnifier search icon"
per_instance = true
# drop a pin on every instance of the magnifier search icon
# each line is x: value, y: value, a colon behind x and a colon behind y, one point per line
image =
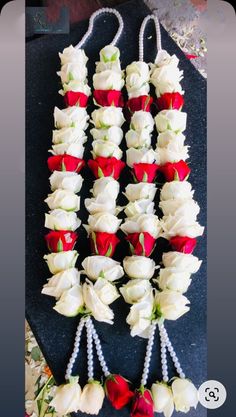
x: 212, y: 394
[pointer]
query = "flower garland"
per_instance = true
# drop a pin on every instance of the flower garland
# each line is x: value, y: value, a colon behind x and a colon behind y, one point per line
x: 178, y: 225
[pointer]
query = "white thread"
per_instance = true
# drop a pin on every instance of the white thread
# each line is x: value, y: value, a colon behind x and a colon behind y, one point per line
x: 91, y: 23
x: 75, y: 349
x: 148, y: 354
x: 141, y: 35
x: 90, y: 348
x: 99, y: 351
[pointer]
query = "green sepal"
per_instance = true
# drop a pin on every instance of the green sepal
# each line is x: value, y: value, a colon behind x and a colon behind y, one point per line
x: 176, y: 176
x: 100, y: 173
x: 59, y: 245
x: 145, y: 177
x: 141, y: 241
x: 109, y: 250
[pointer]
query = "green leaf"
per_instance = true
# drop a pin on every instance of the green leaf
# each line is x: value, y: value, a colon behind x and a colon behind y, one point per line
x: 59, y: 246
x: 176, y: 176
x: 63, y: 167
x: 71, y: 78
x: 145, y: 177
x: 101, y: 274
x: 100, y: 173
x: 35, y: 353
x: 108, y: 253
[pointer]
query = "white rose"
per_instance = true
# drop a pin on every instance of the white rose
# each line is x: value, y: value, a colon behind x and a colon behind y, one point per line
x: 136, y: 290
x: 59, y: 219
x: 182, y: 261
x: 142, y: 223
x: 139, y: 267
x: 139, y: 207
x: 106, y: 149
x: 140, y: 190
x: 144, y: 155
x: 171, y: 120
x: 171, y: 304
x: 99, y: 310
x: 68, y: 135
x: 112, y: 134
x: 103, y: 222
x: 106, y: 117
x: 162, y: 398
x: 109, y: 53
x: 73, y: 149
x: 73, y: 71
x: 107, y: 185
x: 66, y: 180
x: 174, y: 279
x: 71, y: 54
x: 140, y: 68
x: 101, y: 266
x: 188, y: 208
x: 176, y: 190
x: 71, y: 117
x: 178, y: 225
x: 104, y: 66
x: 139, y: 317
x: 63, y: 199
x: 76, y: 86
x: 92, y: 397
x: 167, y: 79
x: 108, y: 80
x: 135, y: 81
x: 172, y: 155
x: 61, y: 281
x: 71, y: 302
x: 142, y: 120
x: 106, y: 291
x: 60, y: 261
x: 138, y: 139
x: 163, y: 58
x: 137, y: 92
x: 170, y: 138
x: 185, y: 394
x: 100, y: 204
x: 67, y: 397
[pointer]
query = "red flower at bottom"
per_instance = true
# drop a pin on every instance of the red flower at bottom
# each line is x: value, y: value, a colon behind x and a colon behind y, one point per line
x: 170, y: 101
x: 103, y: 243
x: 117, y: 391
x: 75, y: 98
x: 178, y: 171
x: 65, y: 163
x: 144, y: 172
x: 143, y: 404
x: 183, y: 244
x: 141, y: 244
x: 108, y: 98
x: 139, y: 103
x: 106, y: 167
x: 61, y: 240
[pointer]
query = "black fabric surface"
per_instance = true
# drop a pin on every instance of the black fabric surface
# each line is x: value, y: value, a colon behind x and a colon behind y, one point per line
x: 55, y: 333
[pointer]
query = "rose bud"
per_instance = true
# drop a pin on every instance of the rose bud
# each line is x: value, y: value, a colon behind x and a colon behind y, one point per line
x: 75, y: 98
x: 61, y: 240
x: 103, y: 243
x: 141, y: 244
x: 106, y: 167
x: 65, y: 163
x: 139, y: 103
x: 175, y: 171
x: 170, y: 101
x: 108, y: 98
x: 143, y: 404
x: 145, y: 172
x: 183, y: 244
x: 67, y: 397
x: 117, y: 391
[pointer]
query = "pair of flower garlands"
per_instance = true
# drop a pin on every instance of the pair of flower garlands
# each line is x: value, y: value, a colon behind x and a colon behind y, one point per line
x: 89, y: 292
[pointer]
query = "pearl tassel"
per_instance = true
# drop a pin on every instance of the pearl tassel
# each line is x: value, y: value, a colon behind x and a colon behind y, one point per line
x: 141, y: 35
x: 172, y: 353
x: 89, y: 348
x: 75, y: 350
x: 163, y: 355
x: 148, y: 354
x: 99, y: 351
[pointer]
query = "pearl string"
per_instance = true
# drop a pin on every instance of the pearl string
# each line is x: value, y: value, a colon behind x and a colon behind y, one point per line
x: 172, y: 352
x: 147, y: 359
x: 75, y: 350
x: 91, y: 24
x: 89, y: 349
x: 99, y: 351
x: 163, y: 355
x: 141, y: 35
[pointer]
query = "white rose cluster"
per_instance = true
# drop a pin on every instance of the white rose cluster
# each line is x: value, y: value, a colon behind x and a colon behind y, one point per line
x: 73, y: 73
x: 108, y: 119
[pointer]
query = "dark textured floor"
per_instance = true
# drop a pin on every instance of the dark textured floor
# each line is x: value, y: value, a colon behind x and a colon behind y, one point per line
x: 55, y: 333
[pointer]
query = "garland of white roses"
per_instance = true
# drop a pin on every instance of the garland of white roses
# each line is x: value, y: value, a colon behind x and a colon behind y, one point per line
x: 169, y: 303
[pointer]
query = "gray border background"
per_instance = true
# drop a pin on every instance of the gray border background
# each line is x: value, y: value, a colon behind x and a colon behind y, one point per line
x: 221, y: 203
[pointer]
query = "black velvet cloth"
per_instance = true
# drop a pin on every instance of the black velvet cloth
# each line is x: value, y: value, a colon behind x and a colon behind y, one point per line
x: 55, y: 333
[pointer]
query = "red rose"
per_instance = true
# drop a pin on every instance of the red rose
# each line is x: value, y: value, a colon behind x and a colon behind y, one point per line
x: 139, y: 103
x: 117, y: 391
x: 143, y: 404
x: 175, y: 171
x: 145, y: 172
x: 63, y: 240
x: 103, y: 243
x: 141, y: 244
x: 65, y: 163
x: 106, y: 167
x: 108, y: 98
x: 170, y: 101
x: 75, y: 98
x: 183, y: 244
